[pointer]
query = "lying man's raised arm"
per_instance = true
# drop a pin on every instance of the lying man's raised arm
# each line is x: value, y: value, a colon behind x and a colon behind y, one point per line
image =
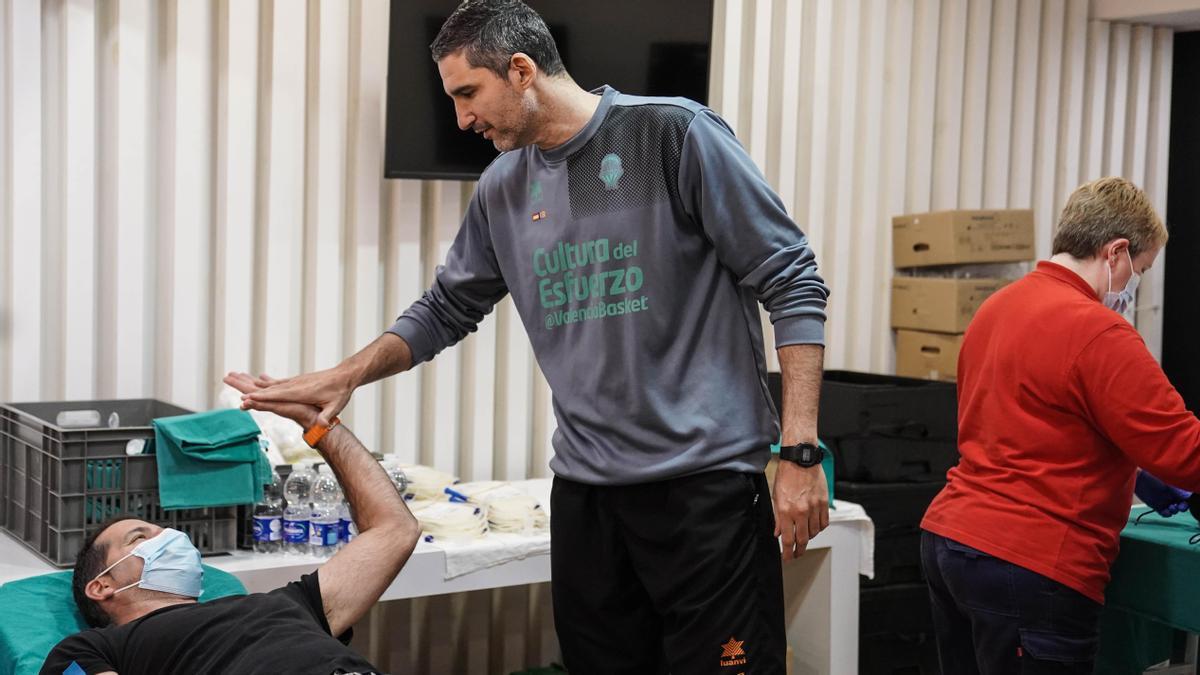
x: 357, y: 575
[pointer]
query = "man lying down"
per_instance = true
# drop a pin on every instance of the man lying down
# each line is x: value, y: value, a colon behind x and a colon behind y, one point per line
x: 137, y: 583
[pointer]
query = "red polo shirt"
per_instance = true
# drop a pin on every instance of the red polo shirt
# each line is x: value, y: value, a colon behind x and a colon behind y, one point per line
x: 1059, y: 402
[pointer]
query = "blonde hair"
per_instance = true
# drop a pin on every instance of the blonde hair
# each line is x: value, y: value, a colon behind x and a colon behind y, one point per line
x: 1103, y: 210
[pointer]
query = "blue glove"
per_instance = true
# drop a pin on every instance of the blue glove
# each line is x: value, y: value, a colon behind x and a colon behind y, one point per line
x: 1163, y: 498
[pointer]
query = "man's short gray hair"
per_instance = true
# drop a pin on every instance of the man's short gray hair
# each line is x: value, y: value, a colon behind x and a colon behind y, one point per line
x: 491, y: 31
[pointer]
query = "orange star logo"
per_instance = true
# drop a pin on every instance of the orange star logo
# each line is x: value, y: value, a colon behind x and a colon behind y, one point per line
x: 732, y: 649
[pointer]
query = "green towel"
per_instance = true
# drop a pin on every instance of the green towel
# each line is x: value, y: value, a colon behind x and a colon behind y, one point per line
x: 40, y: 611
x: 209, y: 459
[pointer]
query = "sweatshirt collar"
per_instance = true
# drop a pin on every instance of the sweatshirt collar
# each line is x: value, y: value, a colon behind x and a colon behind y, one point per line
x: 581, y: 137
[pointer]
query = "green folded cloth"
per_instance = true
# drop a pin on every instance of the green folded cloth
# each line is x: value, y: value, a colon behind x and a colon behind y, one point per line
x: 209, y: 459
x: 40, y: 611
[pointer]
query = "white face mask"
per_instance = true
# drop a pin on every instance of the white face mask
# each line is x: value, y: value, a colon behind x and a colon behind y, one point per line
x: 172, y: 565
x: 1122, y: 302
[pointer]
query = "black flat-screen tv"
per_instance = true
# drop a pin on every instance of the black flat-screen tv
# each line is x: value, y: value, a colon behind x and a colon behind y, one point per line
x: 645, y: 47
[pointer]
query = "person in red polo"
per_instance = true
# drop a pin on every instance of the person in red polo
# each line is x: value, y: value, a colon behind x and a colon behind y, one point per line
x: 1059, y: 403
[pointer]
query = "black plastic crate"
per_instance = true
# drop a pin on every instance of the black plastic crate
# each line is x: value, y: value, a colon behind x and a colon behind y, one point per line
x: 898, y: 654
x: 879, y: 459
x: 861, y: 404
x: 24, y: 502
x: 897, y: 559
x: 60, y: 484
x: 899, y: 608
x: 37, y: 427
x: 212, y: 530
x: 892, y: 506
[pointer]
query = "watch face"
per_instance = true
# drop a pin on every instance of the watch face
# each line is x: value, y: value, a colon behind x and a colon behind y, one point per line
x: 804, y: 454
x: 807, y: 454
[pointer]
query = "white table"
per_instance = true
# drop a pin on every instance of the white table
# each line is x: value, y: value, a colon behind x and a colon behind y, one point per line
x: 821, y: 588
x: 423, y: 574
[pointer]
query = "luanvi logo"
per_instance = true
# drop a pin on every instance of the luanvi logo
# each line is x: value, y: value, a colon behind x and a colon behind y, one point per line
x: 732, y: 653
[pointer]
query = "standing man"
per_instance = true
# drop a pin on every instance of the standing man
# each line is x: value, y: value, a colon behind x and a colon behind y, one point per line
x: 1059, y: 402
x: 636, y: 238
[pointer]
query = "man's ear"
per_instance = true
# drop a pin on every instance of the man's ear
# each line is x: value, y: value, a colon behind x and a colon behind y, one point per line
x: 521, y: 71
x: 99, y: 590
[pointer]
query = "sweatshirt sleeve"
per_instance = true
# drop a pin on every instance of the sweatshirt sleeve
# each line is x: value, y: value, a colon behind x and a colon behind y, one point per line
x: 725, y: 193
x: 1134, y: 404
x: 464, y: 290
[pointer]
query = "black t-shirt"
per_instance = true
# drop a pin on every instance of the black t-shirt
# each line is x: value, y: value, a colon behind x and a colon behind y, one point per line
x: 283, y: 631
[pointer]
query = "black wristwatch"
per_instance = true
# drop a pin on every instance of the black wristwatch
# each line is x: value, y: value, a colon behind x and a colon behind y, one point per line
x: 805, y: 454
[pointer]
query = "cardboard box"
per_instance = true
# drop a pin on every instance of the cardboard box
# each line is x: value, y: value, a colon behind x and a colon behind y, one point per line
x: 930, y: 356
x: 939, y: 305
x: 956, y: 237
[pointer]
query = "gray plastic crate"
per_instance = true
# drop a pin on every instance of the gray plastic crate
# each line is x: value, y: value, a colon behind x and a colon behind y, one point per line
x: 57, y: 485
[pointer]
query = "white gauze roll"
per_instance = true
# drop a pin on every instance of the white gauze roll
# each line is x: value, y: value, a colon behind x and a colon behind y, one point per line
x: 448, y: 520
x: 508, y: 508
x: 425, y: 482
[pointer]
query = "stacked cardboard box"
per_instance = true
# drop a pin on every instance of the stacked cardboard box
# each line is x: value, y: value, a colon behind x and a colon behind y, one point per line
x: 937, y: 289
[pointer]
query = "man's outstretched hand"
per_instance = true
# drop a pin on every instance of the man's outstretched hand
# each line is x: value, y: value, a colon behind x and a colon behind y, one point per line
x: 327, y: 390
x: 304, y: 414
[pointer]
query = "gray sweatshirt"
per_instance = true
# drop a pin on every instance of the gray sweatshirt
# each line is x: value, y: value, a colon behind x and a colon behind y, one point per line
x: 636, y: 254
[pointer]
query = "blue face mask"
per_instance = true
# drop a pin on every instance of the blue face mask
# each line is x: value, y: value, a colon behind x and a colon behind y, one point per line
x: 172, y: 565
x: 1122, y: 302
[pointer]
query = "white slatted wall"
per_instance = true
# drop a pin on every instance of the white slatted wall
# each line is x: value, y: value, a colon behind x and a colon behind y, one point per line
x: 859, y: 110
x: 193, y: 186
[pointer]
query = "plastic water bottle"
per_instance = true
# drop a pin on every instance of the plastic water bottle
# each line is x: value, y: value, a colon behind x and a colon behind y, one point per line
x: 297, y: 491
x: 399, y: 478
x: 347, y: 530
x: 323, y: 532
x: 268, y: 518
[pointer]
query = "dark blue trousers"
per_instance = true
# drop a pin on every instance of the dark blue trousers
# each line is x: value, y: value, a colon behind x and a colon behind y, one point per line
x: 996, y: 618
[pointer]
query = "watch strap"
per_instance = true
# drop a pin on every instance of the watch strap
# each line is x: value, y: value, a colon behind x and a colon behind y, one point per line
x: 317, y: 431
x: 805, y: 454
